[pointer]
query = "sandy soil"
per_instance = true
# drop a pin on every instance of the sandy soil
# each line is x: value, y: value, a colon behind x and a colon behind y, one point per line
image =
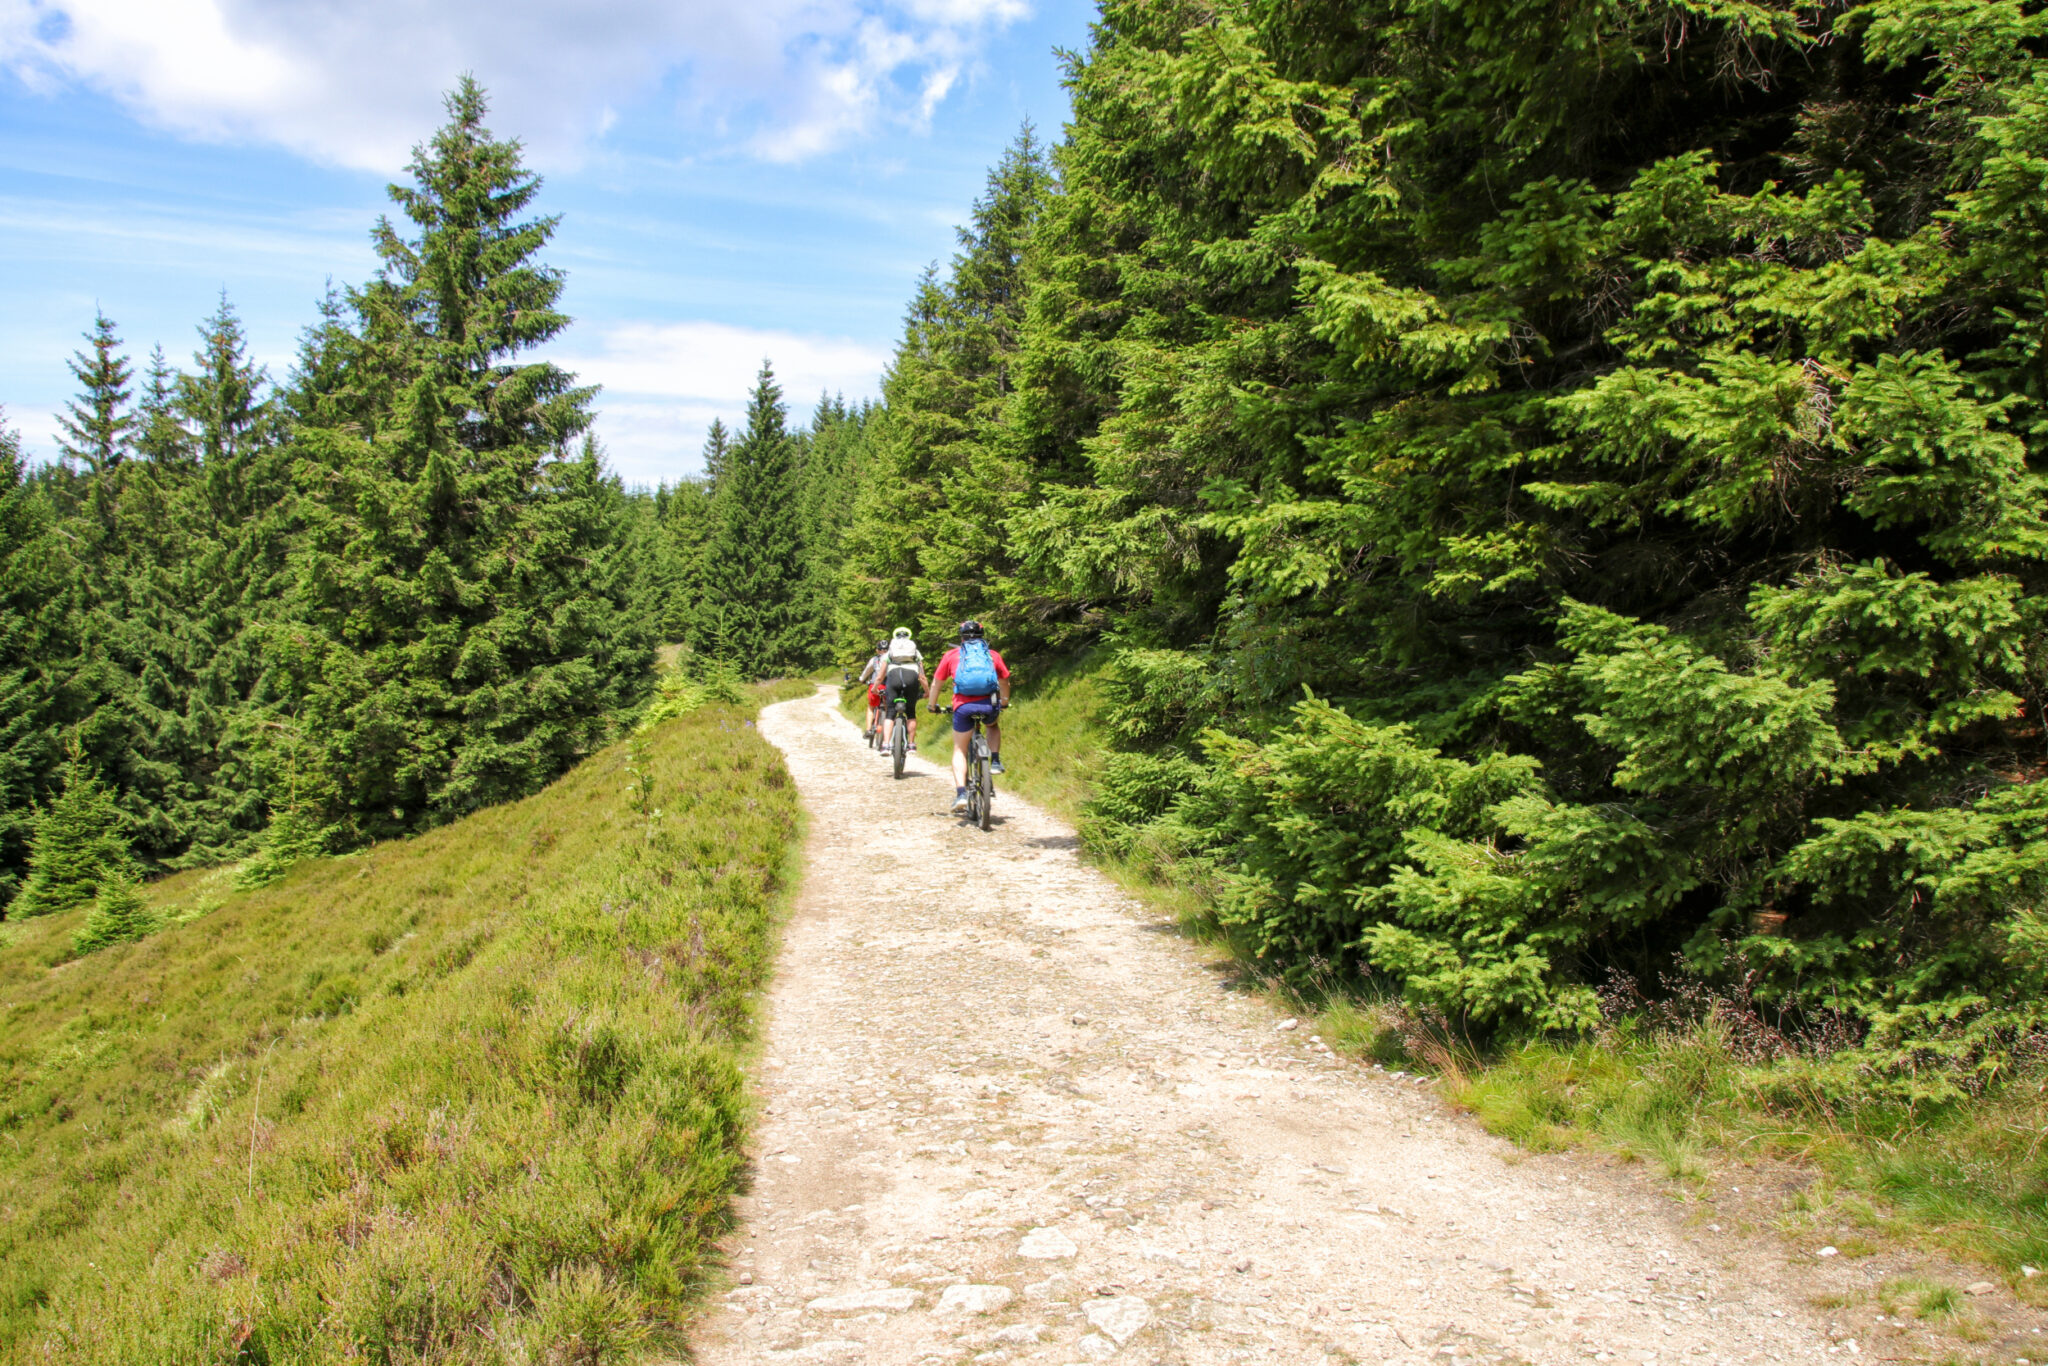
x: 1011, y: 1116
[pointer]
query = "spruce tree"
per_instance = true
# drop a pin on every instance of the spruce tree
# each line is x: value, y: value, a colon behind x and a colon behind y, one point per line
x: 178, y: 567
x: 755, y: 598
x: 231, y: 420
x: 462, y: 625
x: 80, y: 841
x: 119, y: 915
x: 686, y: 531
x: 33, y: 652
x: 97, y: 424
x: 717, y: 443
x: 158, y: 435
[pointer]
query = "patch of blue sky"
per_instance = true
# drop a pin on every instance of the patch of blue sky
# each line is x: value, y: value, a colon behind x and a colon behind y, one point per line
x: 727, y: 195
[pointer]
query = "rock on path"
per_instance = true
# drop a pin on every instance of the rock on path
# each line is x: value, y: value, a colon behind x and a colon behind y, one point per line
x: 1009, y: 1116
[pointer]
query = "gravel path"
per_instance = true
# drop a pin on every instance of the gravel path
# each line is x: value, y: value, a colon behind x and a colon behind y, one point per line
x: 1010, y: 1116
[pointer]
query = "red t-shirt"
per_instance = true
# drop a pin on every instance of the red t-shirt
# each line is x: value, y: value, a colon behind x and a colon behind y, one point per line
x: 951, y: 663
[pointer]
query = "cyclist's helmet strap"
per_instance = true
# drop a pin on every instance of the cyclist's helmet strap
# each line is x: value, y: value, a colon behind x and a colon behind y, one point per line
x: 970, y: 630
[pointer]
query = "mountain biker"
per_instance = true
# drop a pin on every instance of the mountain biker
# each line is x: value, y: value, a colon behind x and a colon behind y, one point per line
x: 902, y: 677
x: 871, y: 679
x: 968, y: 706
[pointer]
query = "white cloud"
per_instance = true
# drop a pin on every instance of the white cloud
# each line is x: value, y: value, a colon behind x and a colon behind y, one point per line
x: 665, y: 382
x: 356, y: 82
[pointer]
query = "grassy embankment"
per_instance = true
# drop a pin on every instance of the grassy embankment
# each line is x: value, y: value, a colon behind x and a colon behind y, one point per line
x: 471, y: 1097
x: 1969, y: 1178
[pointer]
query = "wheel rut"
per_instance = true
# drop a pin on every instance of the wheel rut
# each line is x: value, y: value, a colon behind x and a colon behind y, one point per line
x: 1009, y: 1116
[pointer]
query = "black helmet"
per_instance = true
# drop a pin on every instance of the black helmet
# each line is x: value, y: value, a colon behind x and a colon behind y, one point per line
x: 971, y: 630
x: 881, y: 645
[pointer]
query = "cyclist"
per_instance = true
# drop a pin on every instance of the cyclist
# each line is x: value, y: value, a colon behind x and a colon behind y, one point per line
x: 902, y: 676
x: 871, y: 679
x: 968, y: 706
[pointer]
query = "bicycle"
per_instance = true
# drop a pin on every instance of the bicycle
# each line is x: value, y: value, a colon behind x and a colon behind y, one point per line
x: 899, y: 737
x: 874, y: 737
x: 981, y: 779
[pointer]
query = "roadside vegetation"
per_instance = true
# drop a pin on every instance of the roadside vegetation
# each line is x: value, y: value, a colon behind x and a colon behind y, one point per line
x: 1705, y: 1086
x: 474, y: 1096
x: 1554, y: 513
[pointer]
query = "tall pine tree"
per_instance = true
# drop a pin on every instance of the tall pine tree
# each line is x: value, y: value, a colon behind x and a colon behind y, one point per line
x: 462, y: 630
x: 754, y: 611
x: 96, y: 425
x: 32, y: 644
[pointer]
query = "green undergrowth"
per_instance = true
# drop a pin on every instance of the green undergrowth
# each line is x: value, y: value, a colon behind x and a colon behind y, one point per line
x: 1698, y: 1087
x: 471, y: 1097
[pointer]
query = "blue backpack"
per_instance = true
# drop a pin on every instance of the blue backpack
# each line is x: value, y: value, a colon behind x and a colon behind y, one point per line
x: 975, y: 673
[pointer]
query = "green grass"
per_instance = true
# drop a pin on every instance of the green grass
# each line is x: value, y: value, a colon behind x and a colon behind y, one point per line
x: 1969, y: 1178
x: 472, y: 1097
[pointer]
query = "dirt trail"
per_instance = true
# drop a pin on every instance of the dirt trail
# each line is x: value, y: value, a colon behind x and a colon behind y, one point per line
x: 1009, y: 1116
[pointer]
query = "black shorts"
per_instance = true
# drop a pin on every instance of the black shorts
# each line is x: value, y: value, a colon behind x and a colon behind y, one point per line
x: 902, y: 685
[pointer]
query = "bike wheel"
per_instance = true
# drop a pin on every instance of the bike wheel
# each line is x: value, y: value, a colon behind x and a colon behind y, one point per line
x: 900, y: 743
x: 981, y: 784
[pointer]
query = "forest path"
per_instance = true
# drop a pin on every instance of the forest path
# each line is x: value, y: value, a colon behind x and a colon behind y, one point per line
x: 1010, y: 1116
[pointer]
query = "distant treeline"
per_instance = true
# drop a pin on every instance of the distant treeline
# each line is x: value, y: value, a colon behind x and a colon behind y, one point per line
x: 1560, y: 489
x: 395, y: 587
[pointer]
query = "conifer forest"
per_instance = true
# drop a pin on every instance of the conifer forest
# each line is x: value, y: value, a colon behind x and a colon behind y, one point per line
x: 1553, y: 496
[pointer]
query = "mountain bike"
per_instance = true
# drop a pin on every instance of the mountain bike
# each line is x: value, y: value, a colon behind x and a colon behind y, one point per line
x: 875, y: 741
x: 899, y: 731
x: 981, y: 778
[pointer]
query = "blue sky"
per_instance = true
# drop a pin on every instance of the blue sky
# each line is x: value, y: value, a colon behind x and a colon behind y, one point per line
x: 735, y: 181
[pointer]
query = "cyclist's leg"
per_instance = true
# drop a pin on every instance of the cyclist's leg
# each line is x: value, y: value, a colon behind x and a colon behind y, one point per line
x: 961, y: 739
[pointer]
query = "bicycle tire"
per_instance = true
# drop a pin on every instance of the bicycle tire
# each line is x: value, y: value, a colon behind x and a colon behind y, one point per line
x: 988, y: 792
x: 899, y: 742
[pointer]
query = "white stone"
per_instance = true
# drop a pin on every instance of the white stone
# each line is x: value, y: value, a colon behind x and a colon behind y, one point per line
x: 1096, y: 1347
x: 1979, y: 1288
x: 975, y: 1299
x: 858, y: 1301
x: 1120, y: 1318
x: 1289, y: 1023
x: 1019, y: 1332
x: 1046, y: 1244
x: 1827, y: 1252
